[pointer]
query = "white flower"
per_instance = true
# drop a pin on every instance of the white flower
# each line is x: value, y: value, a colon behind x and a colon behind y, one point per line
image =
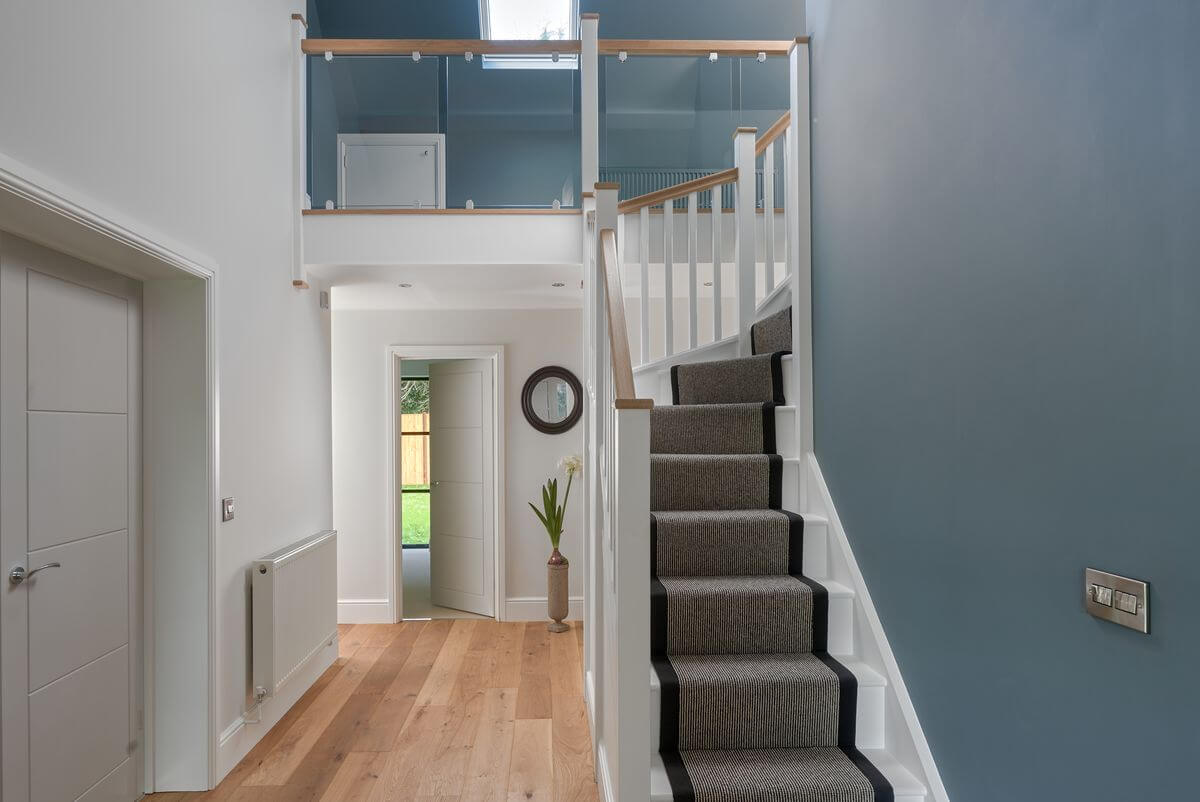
x: 572, y: 464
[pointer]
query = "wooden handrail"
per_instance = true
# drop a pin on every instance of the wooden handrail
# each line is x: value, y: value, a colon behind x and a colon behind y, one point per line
x: 696, y: 47
x: 338, y: 212
x: 618, y: 336
x: 439, y: 47
x: 774, y: 132
x: 523, y: 47
x: 678, y: 191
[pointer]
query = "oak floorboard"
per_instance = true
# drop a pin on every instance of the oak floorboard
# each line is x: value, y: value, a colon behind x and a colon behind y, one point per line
x: 574, y: 772
x: 443, y: 675
x: 533, y: 692
x: 393, y: 711
x: 531, y: 773
x: 426, y: 700
x: 301, y: 736
x: 356, y: 778
x: 488, y: 764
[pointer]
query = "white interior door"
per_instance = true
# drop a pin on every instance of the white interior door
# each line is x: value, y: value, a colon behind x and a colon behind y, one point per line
x: 403, y: 171
x: 462, y: 479
x: 69, y: 485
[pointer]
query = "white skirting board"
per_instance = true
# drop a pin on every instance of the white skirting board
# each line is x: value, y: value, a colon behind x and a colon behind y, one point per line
x: 364, y: 611
x: 533, y: 608
x: 246, y: 730
x: 905, y: 739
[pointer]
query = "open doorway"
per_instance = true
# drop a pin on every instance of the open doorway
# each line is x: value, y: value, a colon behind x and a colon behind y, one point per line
x: 445, y: 488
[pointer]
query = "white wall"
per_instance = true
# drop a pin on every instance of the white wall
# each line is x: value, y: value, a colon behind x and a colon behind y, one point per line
x: 531, y: 339
x: 177, y: 115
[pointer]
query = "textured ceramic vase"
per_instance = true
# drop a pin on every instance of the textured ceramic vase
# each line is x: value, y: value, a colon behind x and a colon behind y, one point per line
x: 556, y: 591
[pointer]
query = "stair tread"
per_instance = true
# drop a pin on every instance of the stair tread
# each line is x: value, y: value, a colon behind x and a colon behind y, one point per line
x: 905, y: 785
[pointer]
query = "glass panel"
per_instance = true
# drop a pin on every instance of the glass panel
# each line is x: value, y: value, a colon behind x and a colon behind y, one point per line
x: 664, y: 120
x: 512, y: 136
x: 763, y: 99
x: 366, y: 95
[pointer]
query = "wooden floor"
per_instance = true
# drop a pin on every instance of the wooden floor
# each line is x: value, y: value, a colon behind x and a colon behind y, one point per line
x: 429, y: 710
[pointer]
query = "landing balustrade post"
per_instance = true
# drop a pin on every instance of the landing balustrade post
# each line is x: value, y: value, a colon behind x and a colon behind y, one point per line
x: 744, y: 250
x: 589, y: 98
x: 299, y: 149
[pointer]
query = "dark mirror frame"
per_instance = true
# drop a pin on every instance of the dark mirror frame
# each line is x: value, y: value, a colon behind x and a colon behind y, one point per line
x: 552, y: 372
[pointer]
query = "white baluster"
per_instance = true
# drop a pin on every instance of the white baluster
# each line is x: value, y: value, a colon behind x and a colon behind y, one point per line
x: 644, y: 253
x: 692, y: 246
x: 769, y: 219
x: 718, y: 214
x: 788, y: 178
x: 744, y: 211
x: 668, y: 279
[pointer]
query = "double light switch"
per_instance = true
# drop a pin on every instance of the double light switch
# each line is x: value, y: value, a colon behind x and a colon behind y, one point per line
x: 1117, y: 599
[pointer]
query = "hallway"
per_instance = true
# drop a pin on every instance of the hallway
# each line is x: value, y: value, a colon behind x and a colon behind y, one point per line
x: 448, y: 710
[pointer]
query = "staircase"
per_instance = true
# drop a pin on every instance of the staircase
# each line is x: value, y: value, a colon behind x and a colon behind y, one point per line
x: 747, y: 701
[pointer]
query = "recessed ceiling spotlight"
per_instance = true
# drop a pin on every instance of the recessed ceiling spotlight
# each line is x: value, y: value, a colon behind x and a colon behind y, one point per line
x: 404, y: 285
x: 558, y: 284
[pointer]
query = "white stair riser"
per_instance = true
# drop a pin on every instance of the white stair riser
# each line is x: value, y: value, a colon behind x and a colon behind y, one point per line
x: 816, y: 549
x: 785, y: 432
x: 791, y: 484
x: 787, y: 379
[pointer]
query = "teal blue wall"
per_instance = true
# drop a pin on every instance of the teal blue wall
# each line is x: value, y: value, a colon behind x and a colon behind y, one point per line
x: 1007, y: 344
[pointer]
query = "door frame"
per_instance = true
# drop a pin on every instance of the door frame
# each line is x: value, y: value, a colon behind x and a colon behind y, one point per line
x: 394, y: 551
x: 49, y: 213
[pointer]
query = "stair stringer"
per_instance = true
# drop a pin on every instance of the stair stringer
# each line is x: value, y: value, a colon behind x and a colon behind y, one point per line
x: 903, y: 737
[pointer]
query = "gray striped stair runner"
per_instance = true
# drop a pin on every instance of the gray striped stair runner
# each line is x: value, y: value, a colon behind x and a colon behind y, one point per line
x: 753, y: 707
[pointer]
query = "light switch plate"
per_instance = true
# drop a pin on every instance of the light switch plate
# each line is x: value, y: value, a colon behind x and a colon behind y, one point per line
x: 1116, y: 590
x: 227, y: 509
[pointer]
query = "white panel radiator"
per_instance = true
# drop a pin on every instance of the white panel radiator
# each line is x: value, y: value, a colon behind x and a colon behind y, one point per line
x: 294, y: 596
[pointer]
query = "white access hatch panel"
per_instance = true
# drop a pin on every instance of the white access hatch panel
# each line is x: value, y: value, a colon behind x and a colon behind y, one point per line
x: 391, y: 171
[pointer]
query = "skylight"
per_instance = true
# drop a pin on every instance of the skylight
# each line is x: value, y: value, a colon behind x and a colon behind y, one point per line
x: 545, y: 20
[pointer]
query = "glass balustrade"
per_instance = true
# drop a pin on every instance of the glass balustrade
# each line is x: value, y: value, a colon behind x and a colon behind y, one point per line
x: 450, y: 132
x: 441, y: 132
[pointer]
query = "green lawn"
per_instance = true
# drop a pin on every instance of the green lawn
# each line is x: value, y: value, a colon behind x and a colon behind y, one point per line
x: 415, y: 518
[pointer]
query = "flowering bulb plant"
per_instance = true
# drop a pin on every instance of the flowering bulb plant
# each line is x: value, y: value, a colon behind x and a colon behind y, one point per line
x: 552, y: 513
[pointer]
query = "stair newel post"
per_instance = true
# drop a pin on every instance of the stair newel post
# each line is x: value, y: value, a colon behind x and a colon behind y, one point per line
x: 744, y: 251
x: 592, y: 497
x: 629, y: 627
x: 799, y: 236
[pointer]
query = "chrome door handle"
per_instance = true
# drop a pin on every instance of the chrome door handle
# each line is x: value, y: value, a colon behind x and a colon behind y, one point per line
x: 18, y: 574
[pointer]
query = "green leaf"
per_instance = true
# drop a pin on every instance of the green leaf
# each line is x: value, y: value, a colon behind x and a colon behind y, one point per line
x: 541, y: 517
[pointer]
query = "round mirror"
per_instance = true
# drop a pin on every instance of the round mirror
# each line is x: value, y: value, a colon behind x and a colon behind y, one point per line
x: 551, y: 400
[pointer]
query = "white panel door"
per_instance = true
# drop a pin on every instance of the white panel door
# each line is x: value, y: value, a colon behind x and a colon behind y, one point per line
x: 391, y: 171
x: 70, y: 339
x: 462, y: 482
